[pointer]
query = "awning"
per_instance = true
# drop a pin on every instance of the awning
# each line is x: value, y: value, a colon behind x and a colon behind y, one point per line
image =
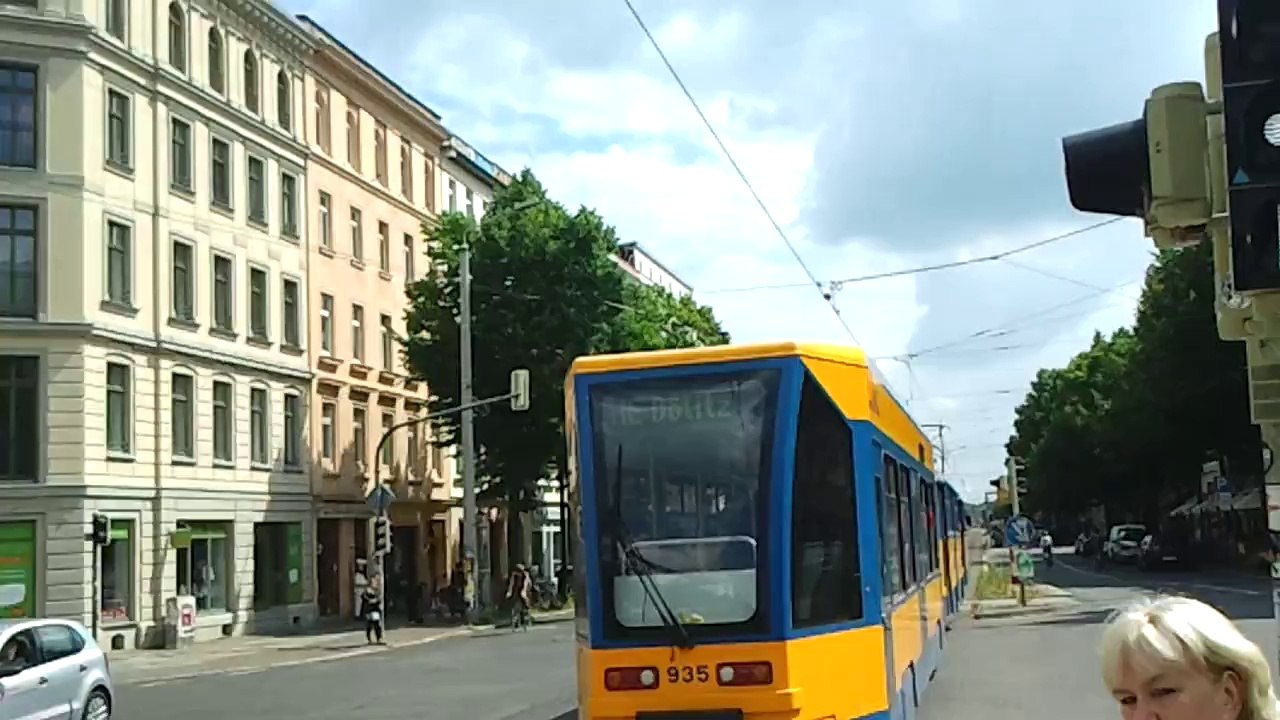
x: 1185, y: 507
x: 1251, y: 500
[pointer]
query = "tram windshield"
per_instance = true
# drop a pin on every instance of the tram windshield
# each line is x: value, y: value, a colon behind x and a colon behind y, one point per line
x: 690, y: 492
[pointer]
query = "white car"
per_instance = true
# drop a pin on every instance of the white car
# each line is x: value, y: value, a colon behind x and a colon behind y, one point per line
x: 52, y: 669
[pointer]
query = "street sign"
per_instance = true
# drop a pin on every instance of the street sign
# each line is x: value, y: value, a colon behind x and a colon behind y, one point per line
x: 380, y: 498
x: 1017, y: 531
x: 1026, y: 565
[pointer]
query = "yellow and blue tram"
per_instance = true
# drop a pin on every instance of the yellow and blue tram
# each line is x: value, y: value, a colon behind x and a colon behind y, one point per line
x: 761, y: 535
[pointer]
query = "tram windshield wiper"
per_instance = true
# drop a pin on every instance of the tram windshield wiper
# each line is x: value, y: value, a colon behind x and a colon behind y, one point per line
x: 642, y: 567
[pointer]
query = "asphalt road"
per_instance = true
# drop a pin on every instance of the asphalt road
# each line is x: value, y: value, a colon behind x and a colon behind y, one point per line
x: 993, y: 669
x: 489, y: 676
x: 1047, y: 666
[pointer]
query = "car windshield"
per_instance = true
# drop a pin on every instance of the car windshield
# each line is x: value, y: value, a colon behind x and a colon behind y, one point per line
x: 1134, y: 534
x: 694, y: 457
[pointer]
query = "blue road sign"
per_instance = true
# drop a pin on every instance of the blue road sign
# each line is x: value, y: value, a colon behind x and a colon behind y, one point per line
x: 380, y: 498
x: 1018, y: 530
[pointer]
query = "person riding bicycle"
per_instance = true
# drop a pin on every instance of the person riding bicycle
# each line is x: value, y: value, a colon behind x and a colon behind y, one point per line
x: 518, y: 587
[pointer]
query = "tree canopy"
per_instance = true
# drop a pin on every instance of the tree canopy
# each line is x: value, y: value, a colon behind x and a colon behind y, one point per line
x: 545, y: 290
x: 1129, y: 420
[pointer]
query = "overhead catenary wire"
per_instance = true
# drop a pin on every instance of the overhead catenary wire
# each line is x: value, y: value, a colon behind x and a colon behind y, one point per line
x: 840, y: 282
x: 813, y: 279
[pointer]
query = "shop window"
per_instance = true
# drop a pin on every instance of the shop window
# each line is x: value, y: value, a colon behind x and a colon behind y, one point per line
x: 277, y: 564
x: 204, y: 567
x: 117, y: 573
x: 17, y: 569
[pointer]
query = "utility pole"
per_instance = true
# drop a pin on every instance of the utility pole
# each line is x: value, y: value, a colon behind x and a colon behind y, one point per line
x: 942, y: 443
x: 470, y: 517
x: 1011, y: 480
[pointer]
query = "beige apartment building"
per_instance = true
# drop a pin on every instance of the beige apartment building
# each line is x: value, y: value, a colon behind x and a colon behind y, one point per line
x: 372, y: 189
x: 153, y: 362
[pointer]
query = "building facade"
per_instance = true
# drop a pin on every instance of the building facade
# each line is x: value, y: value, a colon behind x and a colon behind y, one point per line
x: 154, y: 364
x: 636, y: 263
x: 373, y: 191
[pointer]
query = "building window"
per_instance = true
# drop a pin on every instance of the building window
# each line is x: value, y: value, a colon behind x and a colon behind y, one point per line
x: 353, y: 136
x: 116, y: 573
x: 183, y: 416
x: 388, y: 343
x: 323, y: 113
x: 258, y: 303
x: 453, y: 195
x: 117, y: 18
x: 250, y: 81
x: 284, y: 100
x: 17, y: 261
x: 289, y: 205
x: 119, y: 129
x: 825, y: 582
x: 380, y: 153
x: 357, y: 234
x: 428, y: 184
x: 217, y: 62
x: 221, y: 173
x: 471, y: 204
x: 119, y: 263
x: 292, y: 430
x: 357, y: 332
x: 184, y: 291
x: 388, y: 447
x: 223, y: 299
x: 328, y: 439
x: 384, y: 246
x: 406, y: 169
x: 223, y: 417
x: 358, y: 440
x: 119, y: 431
x: 180, y: 154
x: 411, y: 459
x: 204, y: 566
x: 289, y: 299
x: 20, y: 415
x: 257, y: 190
x: 326, y: 323
x: 326, y: 220
x: 259, y: 425
x: 17, y: 116
x: 177, y: 37
x: 408, y: 258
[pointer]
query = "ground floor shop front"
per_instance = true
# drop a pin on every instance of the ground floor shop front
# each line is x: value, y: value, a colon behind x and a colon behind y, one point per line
x: 246, y: 560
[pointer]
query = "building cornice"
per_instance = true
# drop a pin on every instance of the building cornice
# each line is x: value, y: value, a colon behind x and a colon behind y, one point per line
x: 474, y: 162
x: 328, y: 163
x: 270, y: 21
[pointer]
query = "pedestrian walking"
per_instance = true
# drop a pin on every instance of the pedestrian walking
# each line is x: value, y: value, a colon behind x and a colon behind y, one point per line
x: 361, y: 582
x: 1176, y: 658
x: 373, y: 611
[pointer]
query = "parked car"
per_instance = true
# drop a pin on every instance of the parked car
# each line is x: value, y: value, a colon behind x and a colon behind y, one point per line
x: 1122, y: 543
x: 52, y: 669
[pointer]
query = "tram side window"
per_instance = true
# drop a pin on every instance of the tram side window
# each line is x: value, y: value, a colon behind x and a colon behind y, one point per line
x: 907, y: 536
x: 825, y: 581
x: 934, y: 524
x: 919, y: 526
x: 891, y: 550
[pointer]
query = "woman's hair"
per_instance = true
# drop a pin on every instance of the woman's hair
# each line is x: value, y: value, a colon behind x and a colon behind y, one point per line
x: 1156, y: 632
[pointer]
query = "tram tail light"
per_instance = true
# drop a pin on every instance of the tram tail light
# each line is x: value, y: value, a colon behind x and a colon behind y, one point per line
x: 631, y: 678
x: 744, y: 673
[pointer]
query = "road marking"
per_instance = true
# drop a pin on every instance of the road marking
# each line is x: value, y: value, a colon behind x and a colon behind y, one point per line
x: 305, y: 661
x: 1170, y: 583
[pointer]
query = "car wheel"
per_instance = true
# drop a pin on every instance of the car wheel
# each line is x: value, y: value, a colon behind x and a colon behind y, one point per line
x: 97, y: 706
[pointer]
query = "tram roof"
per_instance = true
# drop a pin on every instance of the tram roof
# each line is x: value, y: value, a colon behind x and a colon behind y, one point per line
x: 717, y: 354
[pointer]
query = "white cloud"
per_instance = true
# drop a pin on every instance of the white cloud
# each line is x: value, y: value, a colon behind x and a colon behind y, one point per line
x: 928, y: 132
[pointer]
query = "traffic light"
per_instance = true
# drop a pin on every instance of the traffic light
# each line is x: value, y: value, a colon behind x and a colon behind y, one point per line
x: 1154, y: 168
x: 101, y: 534
x: 1249, y: 42
x: 381, y: 535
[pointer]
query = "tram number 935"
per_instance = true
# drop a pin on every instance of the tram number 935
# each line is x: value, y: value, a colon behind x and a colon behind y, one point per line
x: 688, y: 674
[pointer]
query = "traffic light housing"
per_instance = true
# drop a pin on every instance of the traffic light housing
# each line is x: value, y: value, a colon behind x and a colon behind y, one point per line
x: 381, y: 535
x: 1154, y: 168
x: 1249, y: 47
x: 101, y: 534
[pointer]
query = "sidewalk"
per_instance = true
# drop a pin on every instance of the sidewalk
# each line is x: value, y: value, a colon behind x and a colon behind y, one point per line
x: 1043, y: 599
x: 258, y: 653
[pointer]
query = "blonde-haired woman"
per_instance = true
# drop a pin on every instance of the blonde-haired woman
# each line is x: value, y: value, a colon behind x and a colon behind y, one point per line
x: 1175, y: 658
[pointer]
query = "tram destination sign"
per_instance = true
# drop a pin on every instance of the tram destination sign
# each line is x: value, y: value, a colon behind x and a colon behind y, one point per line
x: 690, y: 408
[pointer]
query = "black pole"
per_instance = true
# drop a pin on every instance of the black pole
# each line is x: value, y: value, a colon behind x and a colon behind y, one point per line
x: 97, y: 593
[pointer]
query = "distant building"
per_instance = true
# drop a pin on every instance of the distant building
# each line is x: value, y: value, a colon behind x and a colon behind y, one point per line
x: 639, y: 264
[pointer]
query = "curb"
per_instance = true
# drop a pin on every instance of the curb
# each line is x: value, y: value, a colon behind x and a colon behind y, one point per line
x: 552, y: 618
x: 254, y: 669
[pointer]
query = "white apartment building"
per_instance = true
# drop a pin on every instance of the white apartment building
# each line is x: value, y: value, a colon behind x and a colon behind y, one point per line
x: 468, y: 178
x: 638, y: 264
x: 153, y: 362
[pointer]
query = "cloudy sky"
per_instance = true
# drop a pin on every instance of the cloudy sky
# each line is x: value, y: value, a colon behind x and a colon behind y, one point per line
x: 881, y: 135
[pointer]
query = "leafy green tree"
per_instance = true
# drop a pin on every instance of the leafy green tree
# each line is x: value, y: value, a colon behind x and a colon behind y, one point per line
x: 545, y: 290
